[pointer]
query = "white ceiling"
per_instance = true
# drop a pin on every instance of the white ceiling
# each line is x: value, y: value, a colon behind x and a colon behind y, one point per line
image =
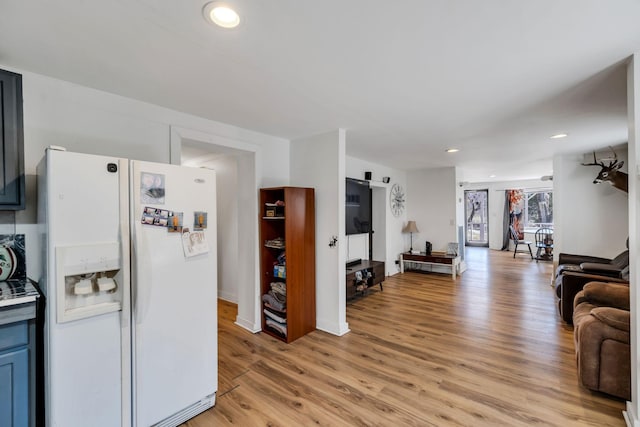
x: 407, y: 79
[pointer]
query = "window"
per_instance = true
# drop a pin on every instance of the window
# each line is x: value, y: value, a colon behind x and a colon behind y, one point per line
x: 538, y: 209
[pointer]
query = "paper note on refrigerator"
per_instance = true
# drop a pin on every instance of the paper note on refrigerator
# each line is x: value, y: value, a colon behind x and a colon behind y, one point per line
x: 194, y: 243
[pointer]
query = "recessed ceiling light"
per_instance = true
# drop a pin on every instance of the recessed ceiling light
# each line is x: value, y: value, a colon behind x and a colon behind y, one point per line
x: 221, y: 14
x: 452, y: 150
x: 492, y: 176
x: 559, y: 135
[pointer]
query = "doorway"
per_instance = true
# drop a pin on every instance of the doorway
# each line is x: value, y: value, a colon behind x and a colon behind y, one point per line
x: 476, y: 211
x: 237, y: 210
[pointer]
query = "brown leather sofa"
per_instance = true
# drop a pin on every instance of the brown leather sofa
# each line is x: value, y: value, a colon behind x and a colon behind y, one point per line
x: 601, y: 320
x: 593, y: 264
x: 569, y: 283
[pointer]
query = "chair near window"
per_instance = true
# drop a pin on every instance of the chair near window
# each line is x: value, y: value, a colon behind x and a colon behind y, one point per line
x: 518, y: 241
x: 544, y: 244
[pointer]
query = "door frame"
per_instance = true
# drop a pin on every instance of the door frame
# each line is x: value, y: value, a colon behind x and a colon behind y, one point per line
x: 248, y: 275
x: 466, y: 216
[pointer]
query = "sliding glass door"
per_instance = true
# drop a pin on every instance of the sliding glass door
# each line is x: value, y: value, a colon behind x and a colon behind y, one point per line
x: 476, y: 211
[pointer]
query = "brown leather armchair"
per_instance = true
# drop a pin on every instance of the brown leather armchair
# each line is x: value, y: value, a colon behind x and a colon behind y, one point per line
x: 569, y: 283
x: 601, y: 321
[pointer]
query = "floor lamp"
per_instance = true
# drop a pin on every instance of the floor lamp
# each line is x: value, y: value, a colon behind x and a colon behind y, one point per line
x: 411, y: 228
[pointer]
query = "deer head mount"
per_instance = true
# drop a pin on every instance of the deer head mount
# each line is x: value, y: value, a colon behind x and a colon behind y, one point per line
x: 611, y: 172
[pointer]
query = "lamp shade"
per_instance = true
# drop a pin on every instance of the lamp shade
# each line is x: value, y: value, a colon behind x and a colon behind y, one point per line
x: 411, y: 227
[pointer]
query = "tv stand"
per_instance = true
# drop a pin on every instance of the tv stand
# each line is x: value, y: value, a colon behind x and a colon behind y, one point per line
x: 435, y: 258
x: 373, y: 268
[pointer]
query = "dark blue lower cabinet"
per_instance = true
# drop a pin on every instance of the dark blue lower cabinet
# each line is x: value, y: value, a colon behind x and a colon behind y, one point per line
x: 14, y: 388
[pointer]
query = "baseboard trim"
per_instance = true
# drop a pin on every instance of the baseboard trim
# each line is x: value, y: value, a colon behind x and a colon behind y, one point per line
x: 629, y: 418
x: 249, y: 326
x: 332, y: 328
x: 228, y: 296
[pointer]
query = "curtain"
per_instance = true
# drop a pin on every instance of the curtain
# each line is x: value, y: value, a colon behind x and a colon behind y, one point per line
x: 505, y: 223
x: 513, y: 211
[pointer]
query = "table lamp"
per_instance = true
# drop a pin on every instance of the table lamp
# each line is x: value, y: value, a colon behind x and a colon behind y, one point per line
x: 411, y: 228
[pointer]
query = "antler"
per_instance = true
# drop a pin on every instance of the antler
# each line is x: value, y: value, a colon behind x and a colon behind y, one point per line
x: 601, y: 163
x: 615, y: 158
x: 595, y: 162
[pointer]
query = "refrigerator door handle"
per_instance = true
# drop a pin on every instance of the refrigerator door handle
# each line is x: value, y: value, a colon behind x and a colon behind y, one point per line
x: 125, y: 242
x: 140, y: 294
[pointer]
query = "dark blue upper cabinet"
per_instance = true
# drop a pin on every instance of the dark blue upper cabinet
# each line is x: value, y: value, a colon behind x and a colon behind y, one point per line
x: 12, y: 195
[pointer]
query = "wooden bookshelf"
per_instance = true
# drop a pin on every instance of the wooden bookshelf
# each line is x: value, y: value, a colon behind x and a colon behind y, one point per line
x: 289, y: 233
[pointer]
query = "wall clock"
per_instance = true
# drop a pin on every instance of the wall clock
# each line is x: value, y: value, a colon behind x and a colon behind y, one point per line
x: 396, y: 200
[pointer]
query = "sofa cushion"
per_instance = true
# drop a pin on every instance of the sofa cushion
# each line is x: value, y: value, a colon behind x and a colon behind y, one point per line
x: 604, y: 269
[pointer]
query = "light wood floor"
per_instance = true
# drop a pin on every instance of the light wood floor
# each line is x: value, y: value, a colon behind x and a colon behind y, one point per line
x: 486, y: 350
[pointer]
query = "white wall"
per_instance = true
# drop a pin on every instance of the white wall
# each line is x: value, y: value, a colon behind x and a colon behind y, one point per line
x: 496, y: 203
x: 460, y: 214
x: 589, y: 219
x: 319, y: 162
x: 431, y: 202
x: 633, y: 102
x: 226, y: 168
x: 460, y: 218
x: 394, y: 240
x: 91, y: 121
x: 248, y: 279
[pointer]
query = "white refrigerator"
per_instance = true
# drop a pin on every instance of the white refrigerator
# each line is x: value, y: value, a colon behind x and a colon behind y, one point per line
x: 130, y: 279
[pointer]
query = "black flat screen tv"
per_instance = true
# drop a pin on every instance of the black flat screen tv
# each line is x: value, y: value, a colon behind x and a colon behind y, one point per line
x: 358, y: 207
